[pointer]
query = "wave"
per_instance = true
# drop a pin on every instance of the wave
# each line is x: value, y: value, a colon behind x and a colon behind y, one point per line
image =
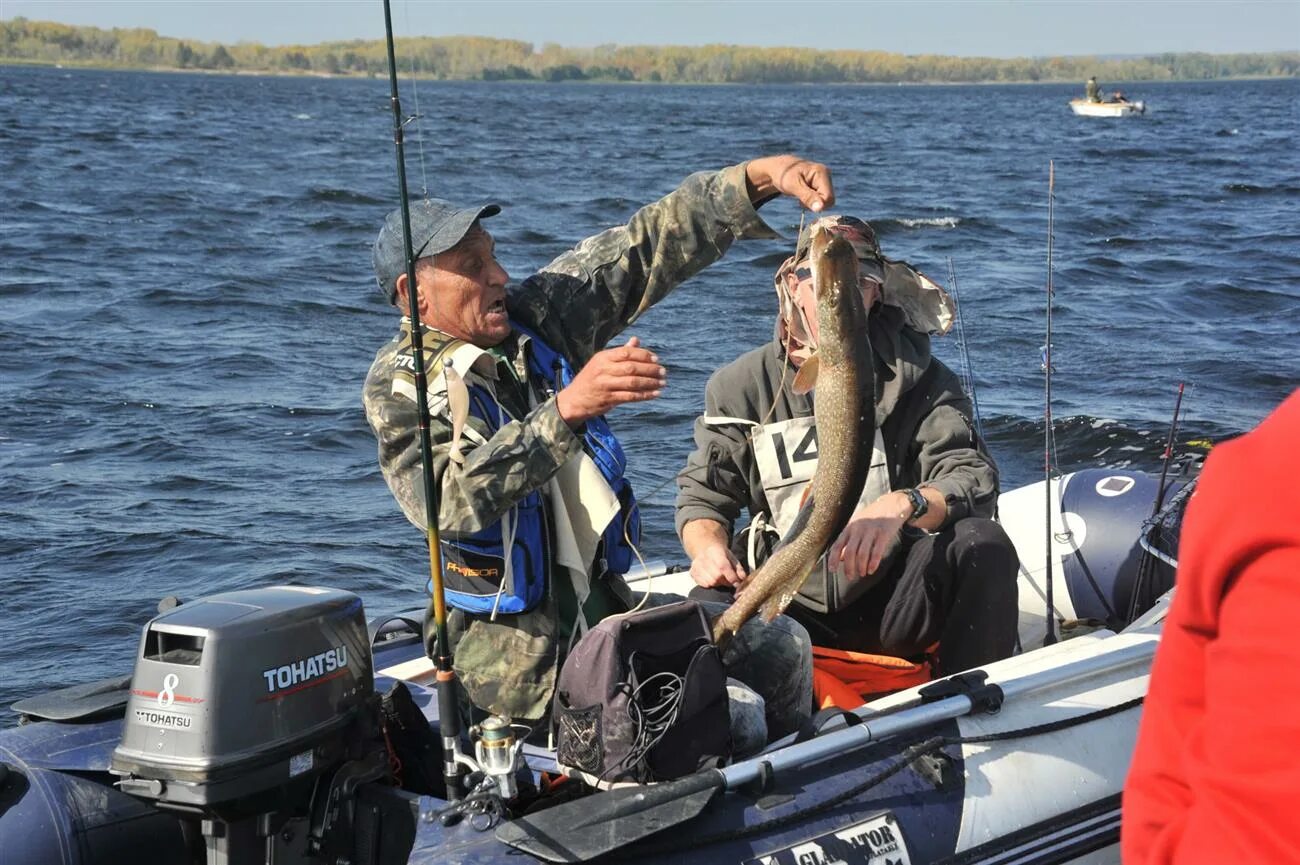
x: 1085, y: 441
x: 529, y: 235
x: 605, y: 202
x: 904, y: 223
x: 1252, y: 189
x: 342, y: 196
x: 1122, y: 153
x: 770, y: 261
x: 330, y: 223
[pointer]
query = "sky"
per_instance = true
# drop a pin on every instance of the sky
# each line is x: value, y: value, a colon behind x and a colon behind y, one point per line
x: 989, y: 28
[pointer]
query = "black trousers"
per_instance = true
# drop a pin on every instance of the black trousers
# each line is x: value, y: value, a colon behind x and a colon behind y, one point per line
x: 956, y: 588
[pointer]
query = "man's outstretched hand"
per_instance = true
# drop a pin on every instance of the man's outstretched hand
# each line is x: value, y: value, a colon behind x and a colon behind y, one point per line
x: 802, y: 179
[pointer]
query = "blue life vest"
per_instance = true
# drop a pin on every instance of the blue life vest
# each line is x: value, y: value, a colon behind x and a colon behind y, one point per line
x: 474, y: 565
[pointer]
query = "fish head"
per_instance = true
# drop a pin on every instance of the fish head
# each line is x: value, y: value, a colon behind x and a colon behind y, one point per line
x: 841, y: 313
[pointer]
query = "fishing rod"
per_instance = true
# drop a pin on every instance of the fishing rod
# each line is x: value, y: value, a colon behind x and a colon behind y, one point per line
x: 1152, y: 531
x: 968, y: 374
x: 1050, y: 637
x: 1169, y: 452
x: 448, y: 704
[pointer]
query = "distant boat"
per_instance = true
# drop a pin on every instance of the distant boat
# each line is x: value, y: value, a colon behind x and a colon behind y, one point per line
x: 1085, y: 108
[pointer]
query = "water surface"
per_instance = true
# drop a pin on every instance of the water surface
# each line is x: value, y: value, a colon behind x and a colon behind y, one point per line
x: 188, y: 309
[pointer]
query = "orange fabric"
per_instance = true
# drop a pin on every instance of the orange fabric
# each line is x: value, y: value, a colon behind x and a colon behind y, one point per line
x: 846, y: 680
x: 551, y: 781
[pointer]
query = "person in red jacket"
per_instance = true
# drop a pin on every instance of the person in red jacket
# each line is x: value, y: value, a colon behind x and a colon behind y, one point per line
x: 1216, y: 774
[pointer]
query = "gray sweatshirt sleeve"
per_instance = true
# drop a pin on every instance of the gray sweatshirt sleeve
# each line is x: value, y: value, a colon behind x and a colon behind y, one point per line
x: 951, y: 458
x: 715, y: 484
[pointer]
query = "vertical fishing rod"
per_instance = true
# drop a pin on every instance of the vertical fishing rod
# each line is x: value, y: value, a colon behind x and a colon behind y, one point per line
x: 1153, y: 527
x: 968, y: 374
x: 1169, y: 452
x: 1050, y: 637
x: 448, y: 705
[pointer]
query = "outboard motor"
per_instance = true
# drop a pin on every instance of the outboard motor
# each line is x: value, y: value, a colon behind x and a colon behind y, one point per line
x: 253, y: 714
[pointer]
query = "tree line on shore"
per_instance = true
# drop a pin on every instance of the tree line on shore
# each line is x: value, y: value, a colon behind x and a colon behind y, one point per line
x: 488, y: 59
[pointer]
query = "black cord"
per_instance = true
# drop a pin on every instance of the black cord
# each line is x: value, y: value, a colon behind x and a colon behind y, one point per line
x: 651, y: 722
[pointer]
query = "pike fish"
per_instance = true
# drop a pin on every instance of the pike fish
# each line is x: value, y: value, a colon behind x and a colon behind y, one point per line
x: 841, y: 375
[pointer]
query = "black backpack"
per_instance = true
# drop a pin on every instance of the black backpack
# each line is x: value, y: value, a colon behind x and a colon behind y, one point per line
x: 642, y: 698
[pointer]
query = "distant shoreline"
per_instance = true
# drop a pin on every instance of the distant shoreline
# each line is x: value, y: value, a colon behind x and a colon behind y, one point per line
x: 486, y: 58
x: 357, y: 76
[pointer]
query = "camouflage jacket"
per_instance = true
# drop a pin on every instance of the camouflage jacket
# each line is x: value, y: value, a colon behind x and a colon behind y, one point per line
x: 577, y: 304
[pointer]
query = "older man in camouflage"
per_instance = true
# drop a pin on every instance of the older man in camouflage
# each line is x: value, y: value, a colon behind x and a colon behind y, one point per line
x: 539, y: 379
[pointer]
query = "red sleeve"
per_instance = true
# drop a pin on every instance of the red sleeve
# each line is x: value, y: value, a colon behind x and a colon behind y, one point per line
x: 1216, y: 773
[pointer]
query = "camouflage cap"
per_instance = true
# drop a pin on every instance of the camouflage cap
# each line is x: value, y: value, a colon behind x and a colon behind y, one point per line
x: 859, y: 233
x: 436, y: 226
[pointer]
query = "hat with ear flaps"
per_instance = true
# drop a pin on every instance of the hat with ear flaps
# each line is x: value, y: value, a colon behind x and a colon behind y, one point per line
x: 925, y: 305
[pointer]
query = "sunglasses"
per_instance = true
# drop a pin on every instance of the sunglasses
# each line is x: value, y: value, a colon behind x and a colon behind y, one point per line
x: 798, y: 304
x: 803, y: 275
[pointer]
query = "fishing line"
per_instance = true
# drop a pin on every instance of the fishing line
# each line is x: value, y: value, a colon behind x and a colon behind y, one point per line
x: 789, y: 337
x: 1152, y: 529
x: 1048, y: 439
x: 749, y: 435
x: 968, y: 372
x: 417, y: 116
x: 417, y: 120
x: 1169, y: 452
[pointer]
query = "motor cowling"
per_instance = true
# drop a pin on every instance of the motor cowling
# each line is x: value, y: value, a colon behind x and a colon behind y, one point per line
x: 254, y: 712
x: 243, y: 692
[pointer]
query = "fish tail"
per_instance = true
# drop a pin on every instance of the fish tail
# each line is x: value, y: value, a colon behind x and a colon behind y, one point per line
x: 722, y: 631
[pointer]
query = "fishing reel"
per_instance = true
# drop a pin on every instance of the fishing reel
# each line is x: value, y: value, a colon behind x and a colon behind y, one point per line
x: 495, y: 770
x: 499, y: 754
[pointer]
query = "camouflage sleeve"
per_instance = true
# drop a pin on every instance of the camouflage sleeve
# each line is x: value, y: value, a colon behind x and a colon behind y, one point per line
x: 952, y: 459
x: 495, y: 475
x: 587, y: 296
x: 713, y: 484
x: 497, y: 471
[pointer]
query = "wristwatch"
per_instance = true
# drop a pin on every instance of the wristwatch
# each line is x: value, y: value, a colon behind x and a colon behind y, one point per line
x: 919, y: 504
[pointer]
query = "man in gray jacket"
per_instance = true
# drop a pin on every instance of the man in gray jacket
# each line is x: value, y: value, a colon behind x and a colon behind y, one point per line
x: 921, y: 561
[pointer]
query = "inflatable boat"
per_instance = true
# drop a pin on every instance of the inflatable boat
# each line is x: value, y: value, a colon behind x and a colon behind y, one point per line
x: 249, y: 732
